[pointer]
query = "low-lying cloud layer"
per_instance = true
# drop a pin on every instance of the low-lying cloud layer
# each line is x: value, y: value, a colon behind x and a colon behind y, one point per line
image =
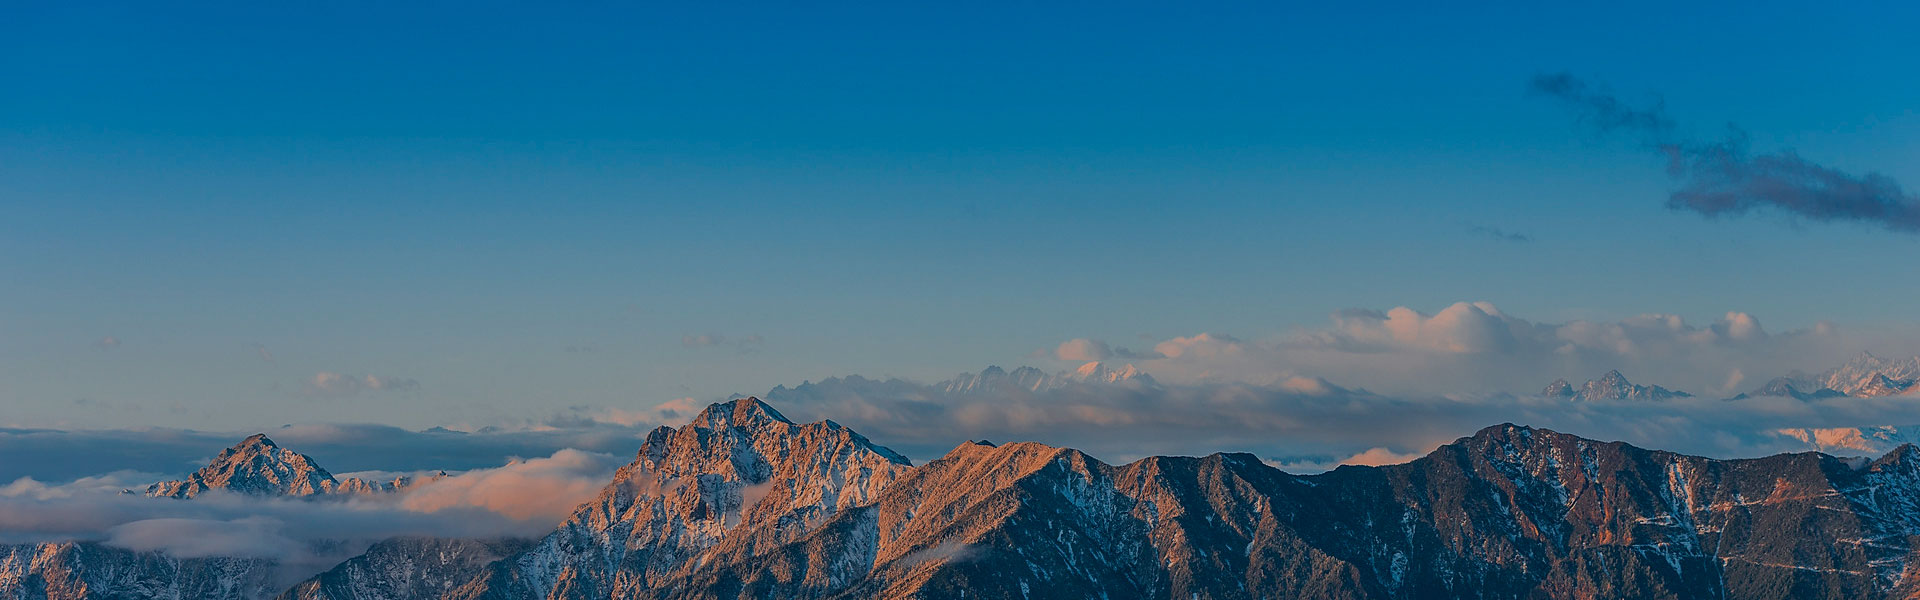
x: 1304, y: 424
x: 525, y: 498
x: 61, y: 455
x: 1724, y: 177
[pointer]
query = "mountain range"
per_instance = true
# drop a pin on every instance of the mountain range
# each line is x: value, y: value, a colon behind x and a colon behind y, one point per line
x: 1863, y: 376
x: 743, y: 503
x: 1611, y: 386
x: 996, y: 379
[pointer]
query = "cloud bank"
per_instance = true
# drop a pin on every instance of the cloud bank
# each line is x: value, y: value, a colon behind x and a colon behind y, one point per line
x: 1301, y: 423
x: 1724, y: 176
x: 62, y: 455
x: 1475, y: 347
x: 525, y: 498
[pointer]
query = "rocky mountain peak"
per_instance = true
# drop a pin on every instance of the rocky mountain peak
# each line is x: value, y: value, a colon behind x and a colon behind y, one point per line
x: 739, y: 476
x: 1611, y: 386
x: 258, y: 467
x: 255, y: 466
x: 1099, y: 372
x: 1867, y: 375
x: 1558, y: 389
x: 747, y: 413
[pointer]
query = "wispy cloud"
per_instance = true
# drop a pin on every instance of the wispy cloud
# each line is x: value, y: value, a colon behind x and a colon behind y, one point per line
x: 1500, y: 235
x: 261, y: 350
x: 742, y: 344
x: 1083, y: 349
x: 340, y: 384
x: 1725, y: 177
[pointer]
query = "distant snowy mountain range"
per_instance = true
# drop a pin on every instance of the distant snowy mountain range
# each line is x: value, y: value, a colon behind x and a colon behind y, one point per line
x: 1865, y: 376
x: 995, y: 379
x: 1612, y: 386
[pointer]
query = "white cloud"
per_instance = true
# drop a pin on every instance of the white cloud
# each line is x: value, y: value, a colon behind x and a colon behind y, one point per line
x: 524, y: 498
x: 1377, y: 456
x: 543, y: 489
x: 1082, y: 350
x: 1302, y: 421
x: 1476, y: 347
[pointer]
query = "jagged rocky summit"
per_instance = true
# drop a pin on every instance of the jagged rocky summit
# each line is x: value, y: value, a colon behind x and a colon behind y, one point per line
x: 258, y: 467
x: 1609, y: 387
x: 1864, y: 376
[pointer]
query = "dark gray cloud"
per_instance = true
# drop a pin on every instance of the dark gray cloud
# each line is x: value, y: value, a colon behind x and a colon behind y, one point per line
x: 1724, y: 177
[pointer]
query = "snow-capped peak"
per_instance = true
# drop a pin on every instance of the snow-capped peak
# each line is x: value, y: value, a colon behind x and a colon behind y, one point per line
x: 1867, y: 375
x: 1098, y: 372
x: 1611, y: 386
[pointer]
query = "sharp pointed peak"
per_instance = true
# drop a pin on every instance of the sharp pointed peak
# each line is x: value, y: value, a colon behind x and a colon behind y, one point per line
x: 258, y: 439
x: 745, y: 412
x: 1558, y: 389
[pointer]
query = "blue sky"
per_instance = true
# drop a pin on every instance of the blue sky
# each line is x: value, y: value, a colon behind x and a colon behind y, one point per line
x: 515, y: 209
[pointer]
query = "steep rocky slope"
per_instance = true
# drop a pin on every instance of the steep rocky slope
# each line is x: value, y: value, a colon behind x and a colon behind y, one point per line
x: 408, y: 568
x: 92, y: 571
x: 1511, y: 512
x: 739, y: 473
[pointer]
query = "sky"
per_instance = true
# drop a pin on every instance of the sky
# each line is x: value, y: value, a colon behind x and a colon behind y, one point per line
x: 234, y: 216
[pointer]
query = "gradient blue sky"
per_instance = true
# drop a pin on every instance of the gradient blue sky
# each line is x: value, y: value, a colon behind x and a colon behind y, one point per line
x: 525, y: 208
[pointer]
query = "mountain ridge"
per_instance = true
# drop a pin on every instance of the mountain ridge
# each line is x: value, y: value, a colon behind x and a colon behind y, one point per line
x: 741, y: 502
